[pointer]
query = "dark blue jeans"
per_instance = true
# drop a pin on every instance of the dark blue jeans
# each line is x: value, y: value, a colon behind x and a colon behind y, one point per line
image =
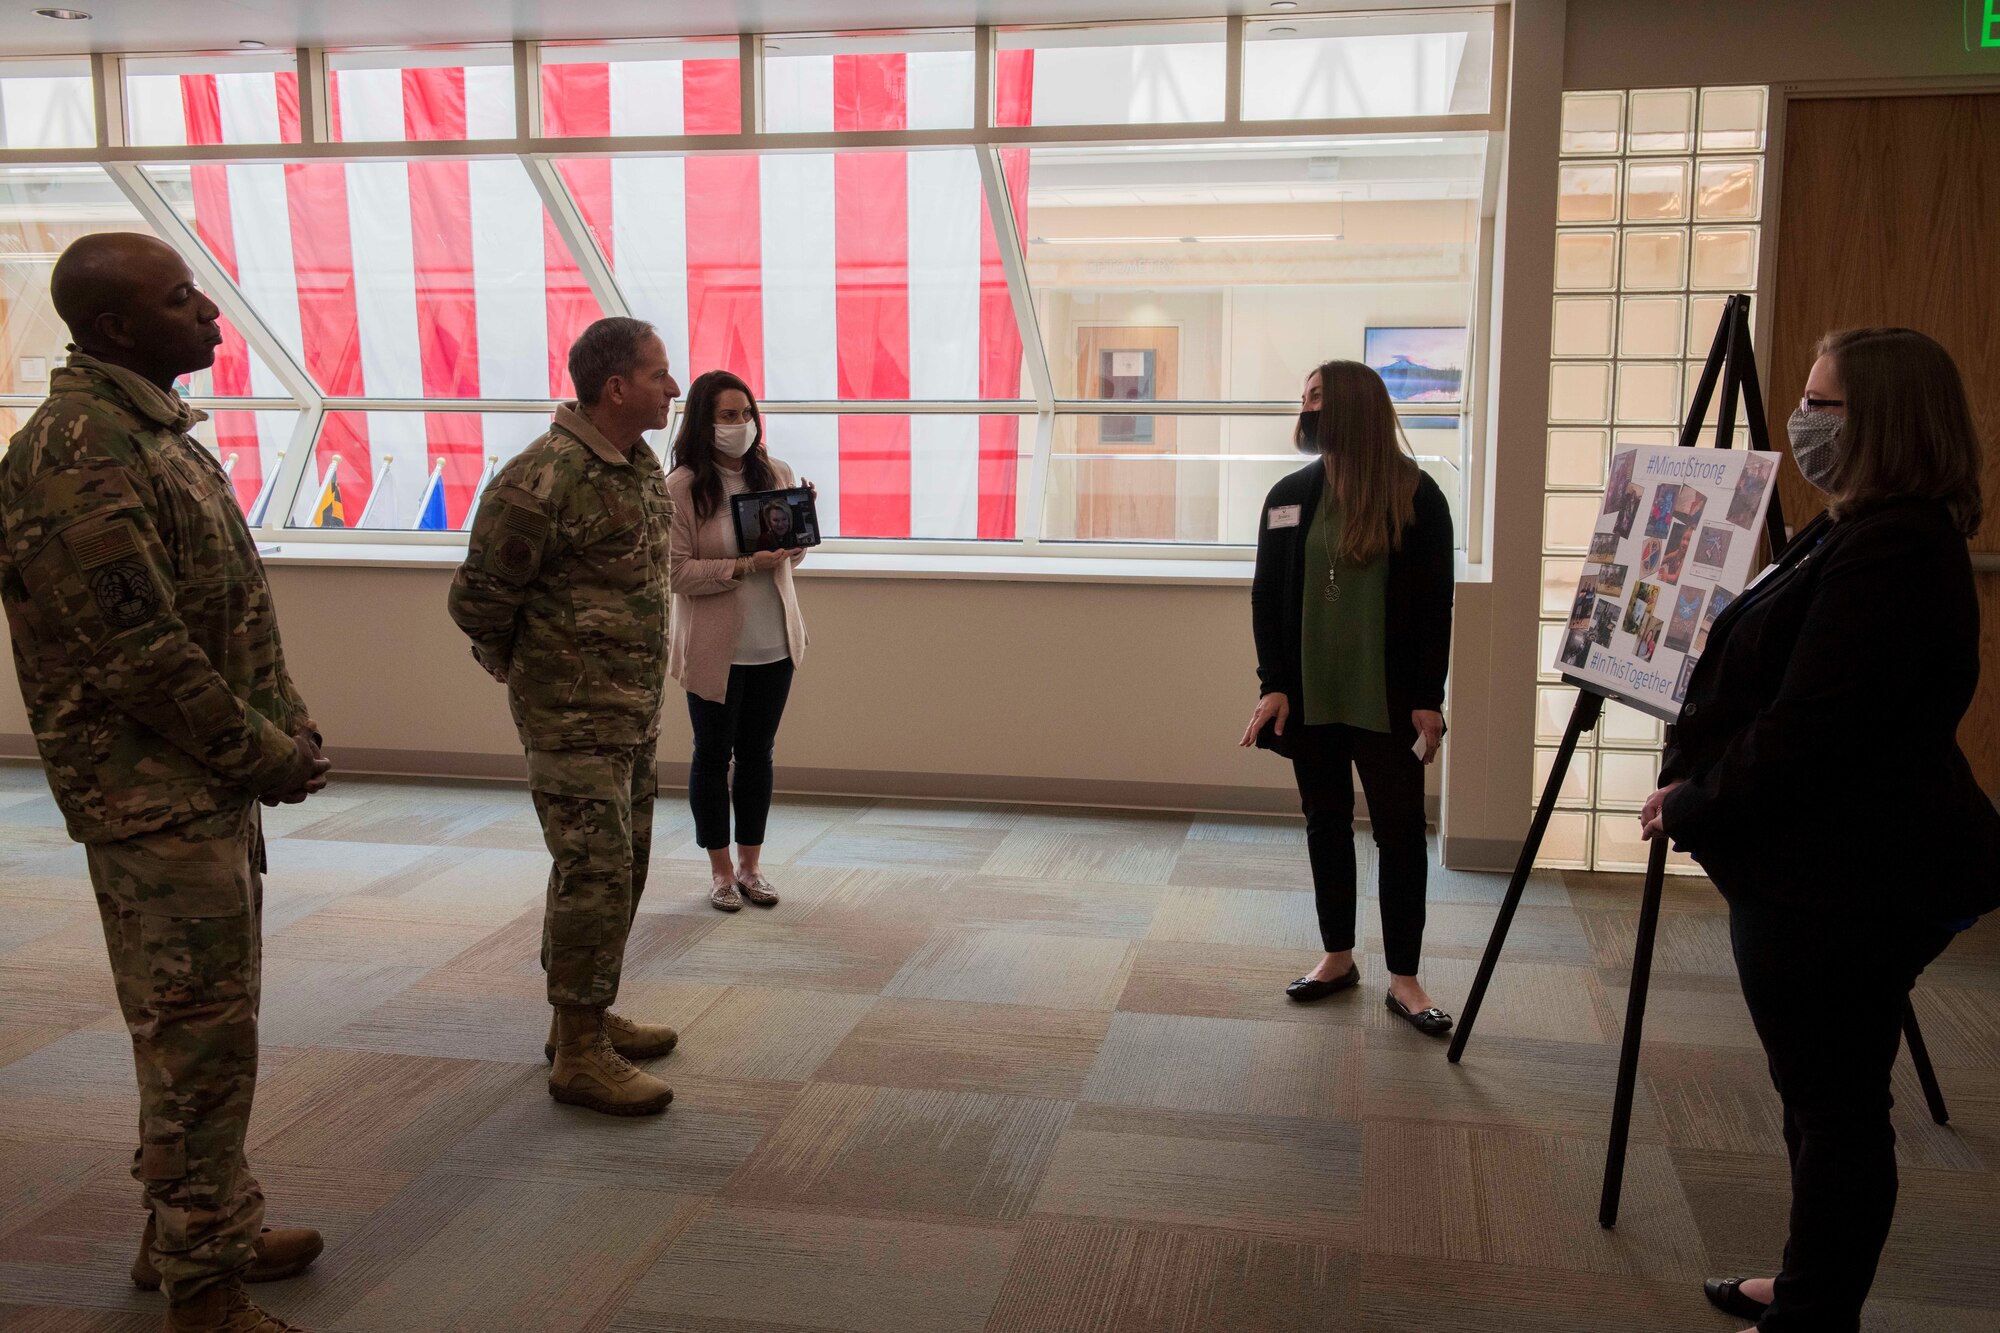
x: 742, y: 728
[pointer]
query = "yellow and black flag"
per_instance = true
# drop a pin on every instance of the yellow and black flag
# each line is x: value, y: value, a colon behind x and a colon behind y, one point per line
x: 329, y: 512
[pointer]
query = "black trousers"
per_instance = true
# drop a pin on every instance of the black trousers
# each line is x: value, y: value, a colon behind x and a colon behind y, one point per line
x: 1826, y: 989
x: 1393, y: 777
x: 743, y: 727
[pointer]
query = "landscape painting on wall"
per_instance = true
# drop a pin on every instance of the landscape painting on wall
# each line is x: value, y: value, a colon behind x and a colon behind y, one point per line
x: 1420, y: 365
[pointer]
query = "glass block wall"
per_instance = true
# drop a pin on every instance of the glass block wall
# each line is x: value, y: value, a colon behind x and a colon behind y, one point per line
x: 1658, y: 212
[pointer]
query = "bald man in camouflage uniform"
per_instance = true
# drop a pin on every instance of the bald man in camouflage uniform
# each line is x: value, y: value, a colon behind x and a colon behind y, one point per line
x: 148, y: 653
x: 564, y: 595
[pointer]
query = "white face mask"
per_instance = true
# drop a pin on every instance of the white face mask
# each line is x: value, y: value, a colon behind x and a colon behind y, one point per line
x: 737, y: 440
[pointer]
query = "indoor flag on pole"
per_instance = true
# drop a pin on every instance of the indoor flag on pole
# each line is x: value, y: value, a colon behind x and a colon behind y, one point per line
x: 430, y: 511
x: 328, y: 511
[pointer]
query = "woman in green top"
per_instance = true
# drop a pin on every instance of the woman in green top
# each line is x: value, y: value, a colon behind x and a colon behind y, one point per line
x: 1351, y: 605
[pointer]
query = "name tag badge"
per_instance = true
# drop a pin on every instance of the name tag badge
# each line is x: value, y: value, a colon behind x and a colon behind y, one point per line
x: 1284, y: 516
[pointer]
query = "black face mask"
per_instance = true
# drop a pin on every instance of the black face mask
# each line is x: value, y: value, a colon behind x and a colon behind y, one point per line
x: 1307, y: 438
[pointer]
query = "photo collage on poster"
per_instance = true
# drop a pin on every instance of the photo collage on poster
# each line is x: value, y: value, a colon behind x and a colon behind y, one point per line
x: 1675, y: 539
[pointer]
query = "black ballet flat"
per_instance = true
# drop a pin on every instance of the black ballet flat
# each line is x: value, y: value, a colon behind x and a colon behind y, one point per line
x: 1305, y: 990
x: 1726, y: 1295
x: 1432, y: 1022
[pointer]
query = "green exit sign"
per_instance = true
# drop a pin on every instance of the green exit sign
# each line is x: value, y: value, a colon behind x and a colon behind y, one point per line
x: 1982, y: 23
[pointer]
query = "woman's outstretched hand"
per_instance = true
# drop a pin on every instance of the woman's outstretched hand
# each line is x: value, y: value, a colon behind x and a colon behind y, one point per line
x: 1272, y: 705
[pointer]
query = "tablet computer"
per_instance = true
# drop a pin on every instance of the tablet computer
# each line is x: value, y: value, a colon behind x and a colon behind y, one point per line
x: 775, y: 520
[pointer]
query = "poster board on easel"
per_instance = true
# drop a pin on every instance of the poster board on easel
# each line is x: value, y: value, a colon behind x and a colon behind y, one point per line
x: 1675, y: 541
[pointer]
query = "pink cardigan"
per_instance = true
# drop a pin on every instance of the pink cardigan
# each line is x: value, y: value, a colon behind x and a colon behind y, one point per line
x: 708, y: 613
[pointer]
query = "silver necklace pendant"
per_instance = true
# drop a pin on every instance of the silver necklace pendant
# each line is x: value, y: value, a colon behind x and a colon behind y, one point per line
x: 1332, y: 589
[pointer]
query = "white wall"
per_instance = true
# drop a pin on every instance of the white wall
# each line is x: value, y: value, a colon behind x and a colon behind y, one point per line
x: 1095, y: 692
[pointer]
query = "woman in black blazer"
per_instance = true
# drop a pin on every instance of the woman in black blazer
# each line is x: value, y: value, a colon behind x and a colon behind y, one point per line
x: 1815, y: 774
x: 1351, y: 607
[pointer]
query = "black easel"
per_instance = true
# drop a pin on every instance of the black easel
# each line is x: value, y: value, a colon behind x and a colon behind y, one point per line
x: 1730, y: 360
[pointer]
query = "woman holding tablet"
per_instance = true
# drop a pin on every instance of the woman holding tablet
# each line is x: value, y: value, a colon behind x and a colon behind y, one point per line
x: 1351, y: 606
x: 737, y: 635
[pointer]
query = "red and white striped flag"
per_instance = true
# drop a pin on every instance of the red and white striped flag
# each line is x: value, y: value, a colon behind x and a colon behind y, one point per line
x: 815, y: 276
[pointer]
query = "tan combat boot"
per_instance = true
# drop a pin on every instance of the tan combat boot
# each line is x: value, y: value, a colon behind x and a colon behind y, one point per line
x: 224, y: 1308
x: 282, y: 1252
x: 634, y: 1041
x: 588, y: 1072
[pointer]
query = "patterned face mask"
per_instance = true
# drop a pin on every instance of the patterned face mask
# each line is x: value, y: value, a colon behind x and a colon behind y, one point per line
x: 1816, y: 449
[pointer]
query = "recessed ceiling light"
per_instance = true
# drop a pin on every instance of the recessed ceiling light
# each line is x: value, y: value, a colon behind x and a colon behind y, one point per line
x: 1284, y: 4
x: 73, y: 15
x: 252, y: 43
x: 1283, y: 32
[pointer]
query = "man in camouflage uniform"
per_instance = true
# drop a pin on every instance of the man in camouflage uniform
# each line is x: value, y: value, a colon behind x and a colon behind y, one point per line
x: 564, y: 595
x: 148, y: 653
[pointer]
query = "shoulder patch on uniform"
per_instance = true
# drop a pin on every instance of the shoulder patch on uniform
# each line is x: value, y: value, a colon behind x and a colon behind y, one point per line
x: 102, y: 545
x: 518, y: 547
x: 513, y: 557
x: 530, y: 523
x: 107, y: 555
x: 125, y: 593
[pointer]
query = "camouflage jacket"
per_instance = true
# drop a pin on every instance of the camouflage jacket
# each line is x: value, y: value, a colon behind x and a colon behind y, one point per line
x: 143, y: 626
x: 564, y: 588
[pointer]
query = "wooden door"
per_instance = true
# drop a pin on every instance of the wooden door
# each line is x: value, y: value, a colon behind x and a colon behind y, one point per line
x: 1119, y: 501
x: 1891, y: 215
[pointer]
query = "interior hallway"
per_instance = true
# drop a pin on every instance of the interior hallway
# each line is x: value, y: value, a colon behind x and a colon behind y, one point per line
x: 996, y: 1068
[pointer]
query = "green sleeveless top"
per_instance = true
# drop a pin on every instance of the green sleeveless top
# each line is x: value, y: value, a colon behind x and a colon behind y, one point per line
x: 1343, y: 631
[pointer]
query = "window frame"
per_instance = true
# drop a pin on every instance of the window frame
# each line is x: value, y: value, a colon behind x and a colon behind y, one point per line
x: 124, y: 164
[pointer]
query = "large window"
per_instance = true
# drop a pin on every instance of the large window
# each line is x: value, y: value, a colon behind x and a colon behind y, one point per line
x: 442, y: 93
x: 1220, y: 273
x: 815, y: 276
x: 243, y: 99
x: 1045, y: 290
x: 860, y: 81
x: 1328, y: 66
x: 46, y: 104
x: 610, y: 89
x: 44, y: 209
x: 1116, y: 74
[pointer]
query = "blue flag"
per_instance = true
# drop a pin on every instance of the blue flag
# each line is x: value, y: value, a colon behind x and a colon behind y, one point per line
x: 430, y: 514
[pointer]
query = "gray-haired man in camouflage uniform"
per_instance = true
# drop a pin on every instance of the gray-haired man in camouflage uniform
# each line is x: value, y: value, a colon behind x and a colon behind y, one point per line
x: 148, y: 653
x: 564, y: 595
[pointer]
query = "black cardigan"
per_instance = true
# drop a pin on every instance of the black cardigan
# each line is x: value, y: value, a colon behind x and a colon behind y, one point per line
x: 1422, y: 577
x: 1818, y: 740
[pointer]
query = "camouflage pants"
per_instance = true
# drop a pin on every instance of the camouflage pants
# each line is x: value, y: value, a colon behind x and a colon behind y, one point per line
x: 183, y: 920
x: 596, y: 808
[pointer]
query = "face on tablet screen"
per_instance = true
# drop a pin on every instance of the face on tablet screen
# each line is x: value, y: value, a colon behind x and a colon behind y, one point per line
x: 774, y: 524
x: 776, y: 520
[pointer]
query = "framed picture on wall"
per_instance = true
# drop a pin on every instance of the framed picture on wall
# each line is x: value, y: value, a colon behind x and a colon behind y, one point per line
x: 1126, y: 375
x: 1420, y: 365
